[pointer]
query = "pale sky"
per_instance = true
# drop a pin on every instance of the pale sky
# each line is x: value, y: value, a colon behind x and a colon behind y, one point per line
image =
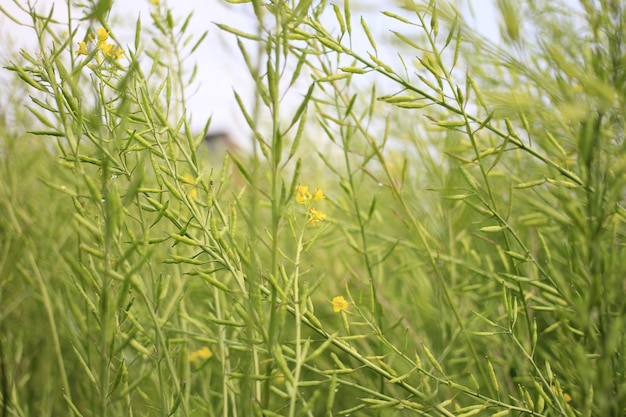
x: 220, y: 65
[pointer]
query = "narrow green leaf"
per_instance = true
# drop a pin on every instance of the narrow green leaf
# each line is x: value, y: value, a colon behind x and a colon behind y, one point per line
x: 340, y: 19
x: 397, y: 17
x: 353, y: 70
x: 137, y: 32
x: 432, y: 360
x: 455, y: 22
x: 434, y: 21
x: 199, y: 42
x: 347, y: 13
x: 335, y: 77
x: 380, y: 63
x: 302, y: 107
x: 238, y: 32
x: 530, y: 184
x: 330, y: 44
x: 413, y: 105
x: 368, y: 33
x: 492, y: 229
x: 492, y: 376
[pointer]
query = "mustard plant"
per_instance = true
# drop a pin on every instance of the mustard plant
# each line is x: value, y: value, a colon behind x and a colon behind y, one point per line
x: 425, y: 221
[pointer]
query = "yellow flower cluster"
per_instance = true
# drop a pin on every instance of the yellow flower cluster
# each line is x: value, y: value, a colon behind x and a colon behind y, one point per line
x: 339, y: 304
x: 202, y: 354
x: 303, y: 196
x: 109, y: 51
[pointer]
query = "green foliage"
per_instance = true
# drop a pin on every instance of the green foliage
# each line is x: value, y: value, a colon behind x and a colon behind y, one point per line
x: 472, y: 216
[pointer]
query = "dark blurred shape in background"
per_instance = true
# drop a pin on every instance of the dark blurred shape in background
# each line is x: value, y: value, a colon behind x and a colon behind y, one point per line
x: 220, y: 142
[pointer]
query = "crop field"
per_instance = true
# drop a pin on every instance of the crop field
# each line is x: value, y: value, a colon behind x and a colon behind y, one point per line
x: 419, y: 220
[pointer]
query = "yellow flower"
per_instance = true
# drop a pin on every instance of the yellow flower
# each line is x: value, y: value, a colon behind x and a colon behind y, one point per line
x: 103, y: 35
x: 566, y: 396
x: 302, y: 194
x: 113, y: 52
x: 118, y: 53
x: 155, y: 2
x: 82, y: 49
x: 339, y: 304
x: 106, y: 48
x: 318, y: 195
x: 315, y: 216
x: 110, y: 51
x: 202, y: 354
x: 188, y: 179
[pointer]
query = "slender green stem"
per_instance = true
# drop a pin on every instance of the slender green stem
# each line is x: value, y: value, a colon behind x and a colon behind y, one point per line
x: 273, y: 68
x: 299, y: 359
